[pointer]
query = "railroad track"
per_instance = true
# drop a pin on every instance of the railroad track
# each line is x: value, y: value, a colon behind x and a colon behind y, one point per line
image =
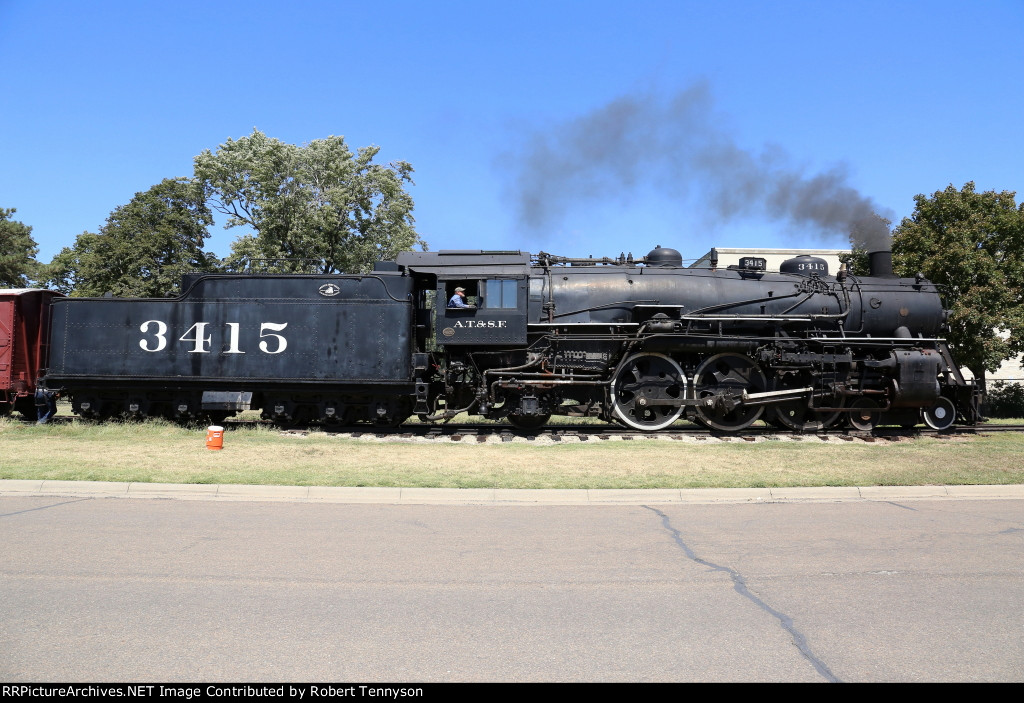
x: 591, y: 433
x: 481, y: 433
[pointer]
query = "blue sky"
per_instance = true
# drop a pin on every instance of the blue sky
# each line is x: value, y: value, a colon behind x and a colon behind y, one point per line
x: 104, y: 99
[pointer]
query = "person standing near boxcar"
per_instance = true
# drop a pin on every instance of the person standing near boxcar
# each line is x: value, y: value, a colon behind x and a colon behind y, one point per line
x: 46, y: 403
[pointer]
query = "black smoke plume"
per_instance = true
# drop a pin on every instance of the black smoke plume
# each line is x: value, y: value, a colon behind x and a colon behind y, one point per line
x: 678, y: 146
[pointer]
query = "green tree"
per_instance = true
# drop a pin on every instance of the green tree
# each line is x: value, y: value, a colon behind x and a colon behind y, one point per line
x: 317, y: 207
x: 143, y: 248
x: 973, y: 244
x: 18, y: 265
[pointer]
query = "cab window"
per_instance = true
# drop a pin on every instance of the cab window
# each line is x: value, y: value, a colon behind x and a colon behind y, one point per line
x: 500, y: 293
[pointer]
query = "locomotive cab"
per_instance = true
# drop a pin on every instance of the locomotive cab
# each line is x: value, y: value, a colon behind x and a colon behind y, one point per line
x: 495, y: 284
x: 497, y: 312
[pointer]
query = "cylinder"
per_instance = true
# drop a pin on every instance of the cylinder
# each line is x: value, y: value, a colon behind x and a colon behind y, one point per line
x: 214, y: 437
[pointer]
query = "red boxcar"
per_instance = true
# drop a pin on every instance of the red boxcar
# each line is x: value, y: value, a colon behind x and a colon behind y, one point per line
x: 24, y: 346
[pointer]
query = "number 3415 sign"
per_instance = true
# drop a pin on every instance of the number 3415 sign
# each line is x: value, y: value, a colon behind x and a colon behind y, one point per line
x: 156, y: 340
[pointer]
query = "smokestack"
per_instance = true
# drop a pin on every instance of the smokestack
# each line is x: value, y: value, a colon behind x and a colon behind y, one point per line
x: 880, y: 264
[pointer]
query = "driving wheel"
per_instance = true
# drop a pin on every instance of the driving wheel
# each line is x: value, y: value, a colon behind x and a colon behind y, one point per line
x: 640, y: 389
x: 724, y: 377
x: 796, y: 414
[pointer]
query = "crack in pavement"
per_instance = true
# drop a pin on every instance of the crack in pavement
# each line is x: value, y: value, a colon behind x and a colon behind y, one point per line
x: 899, y: 505
x: 44, y: 507
x: 740, y: 586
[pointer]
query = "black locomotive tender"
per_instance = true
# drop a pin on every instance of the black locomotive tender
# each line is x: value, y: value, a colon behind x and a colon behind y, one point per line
x: 641, y: 342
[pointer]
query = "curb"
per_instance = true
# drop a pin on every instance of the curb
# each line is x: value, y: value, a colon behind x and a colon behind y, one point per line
x: 502, y: 496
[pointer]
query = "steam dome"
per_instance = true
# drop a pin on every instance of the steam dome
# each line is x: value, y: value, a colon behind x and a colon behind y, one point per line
x: 662, y: 256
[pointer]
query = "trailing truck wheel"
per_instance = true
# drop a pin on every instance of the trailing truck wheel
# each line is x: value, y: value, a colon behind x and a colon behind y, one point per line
x: 940, y: 416
x: 639, y: 384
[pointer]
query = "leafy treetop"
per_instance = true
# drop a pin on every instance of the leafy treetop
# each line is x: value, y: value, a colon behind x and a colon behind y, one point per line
x: 973, y: 244
x: 143, y: 248
x: 317, y: 207
x: 18, y: 265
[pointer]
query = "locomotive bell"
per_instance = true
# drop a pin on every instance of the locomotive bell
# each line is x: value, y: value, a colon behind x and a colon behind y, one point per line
x: 663, y: 256
x: 805, y: 265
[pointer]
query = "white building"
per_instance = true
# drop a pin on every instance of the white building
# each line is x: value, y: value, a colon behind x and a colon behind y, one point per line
x: 774, y: 257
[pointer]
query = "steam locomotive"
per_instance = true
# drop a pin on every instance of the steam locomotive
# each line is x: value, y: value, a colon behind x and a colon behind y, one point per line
x: 643, y: 343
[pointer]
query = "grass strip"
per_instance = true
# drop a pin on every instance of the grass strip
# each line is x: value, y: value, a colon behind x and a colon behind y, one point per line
x: 161, y: 452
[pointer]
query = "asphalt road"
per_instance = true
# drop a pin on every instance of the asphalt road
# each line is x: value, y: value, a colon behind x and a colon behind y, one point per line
x: 105, y: 589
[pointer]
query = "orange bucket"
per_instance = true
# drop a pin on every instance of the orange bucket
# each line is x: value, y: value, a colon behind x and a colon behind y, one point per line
x: 214, y: 437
